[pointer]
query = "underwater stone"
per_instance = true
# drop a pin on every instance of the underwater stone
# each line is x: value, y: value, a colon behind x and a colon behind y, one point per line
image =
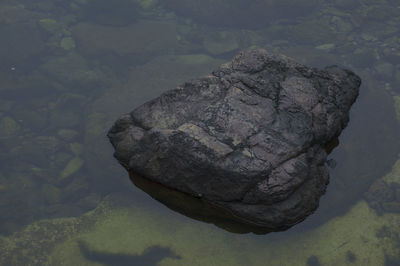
x: 251, y: 138
x: 67, y: 134
x: 141, y: 38
x: 241, y: 13
x: 115, y: 13
x: 50, y: 25
x: 147, y: 4
x: 71, y: 168
x: 326, y: 47
x: 221, y: 42
x: 385, y: 70
x: 67, y: 43
x: 8, y: 127
x: 14, y: 40
x: 51, y: 193
x: 76, y: 148
x: 397, y: 106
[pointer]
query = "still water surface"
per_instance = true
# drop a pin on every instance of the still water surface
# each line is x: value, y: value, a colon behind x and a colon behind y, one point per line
x: 68, y: 69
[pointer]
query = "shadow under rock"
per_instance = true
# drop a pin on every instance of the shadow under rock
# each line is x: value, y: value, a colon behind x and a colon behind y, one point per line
x: 194, y: 208
x: 150, y: 257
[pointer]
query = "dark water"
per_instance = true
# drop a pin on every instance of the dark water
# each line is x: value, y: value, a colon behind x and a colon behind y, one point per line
x: 68, y: 69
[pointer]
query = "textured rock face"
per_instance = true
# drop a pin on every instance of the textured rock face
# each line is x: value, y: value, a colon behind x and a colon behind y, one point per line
x: 250, y: 138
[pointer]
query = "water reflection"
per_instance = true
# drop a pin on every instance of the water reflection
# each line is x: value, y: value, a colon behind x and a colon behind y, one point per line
x: 194, y: 208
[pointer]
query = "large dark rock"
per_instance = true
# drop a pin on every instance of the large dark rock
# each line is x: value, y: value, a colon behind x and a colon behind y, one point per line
x: 251, y: 138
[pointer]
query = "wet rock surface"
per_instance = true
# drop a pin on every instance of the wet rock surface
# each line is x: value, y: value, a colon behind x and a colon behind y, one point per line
x: 250, y: 138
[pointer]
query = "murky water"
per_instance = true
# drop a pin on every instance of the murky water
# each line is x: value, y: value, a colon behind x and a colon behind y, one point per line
x: 68, y: 69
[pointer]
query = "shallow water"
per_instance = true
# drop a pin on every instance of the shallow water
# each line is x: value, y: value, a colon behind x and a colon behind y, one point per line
x: 69, y: 69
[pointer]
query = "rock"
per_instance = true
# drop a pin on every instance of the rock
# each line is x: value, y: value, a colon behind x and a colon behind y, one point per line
x: 67, y: 43
x: 67, y: 134
x: 391, y: 206
x: 30, y: 116
x: 116, y: 13
x: 397, y: 106
x: 71, y: 168
x: 20, y: 42
x: 378, y: 193
x: 143, y: 37
x: 156, y: 76
x: 50, y: 193
x: 147, y: 4
x: 327, y: 47
x: 397, y: 193
x: 221, y: 42
x: 50, y: 25
x: 241, y: 13
x: 311, y: 32
x: 362, y: 58
x: 8, y: 127
x: 76, y: 148
x: 66, y: 112
x: 72, y: 70
x: 385, y: 70
x: 346, y: 4
x: 249, y: 138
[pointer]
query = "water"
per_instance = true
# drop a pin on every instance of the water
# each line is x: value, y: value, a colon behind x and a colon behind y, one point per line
x: 69, y: 69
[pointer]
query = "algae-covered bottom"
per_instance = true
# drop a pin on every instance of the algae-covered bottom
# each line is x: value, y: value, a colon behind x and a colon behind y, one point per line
x: 122, y: 231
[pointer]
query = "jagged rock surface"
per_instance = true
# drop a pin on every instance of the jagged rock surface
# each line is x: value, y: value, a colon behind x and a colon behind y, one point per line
x: 250, y: 138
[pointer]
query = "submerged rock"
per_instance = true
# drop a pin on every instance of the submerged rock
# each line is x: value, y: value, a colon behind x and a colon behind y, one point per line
x: 241, y: 13
x: 251, y: 138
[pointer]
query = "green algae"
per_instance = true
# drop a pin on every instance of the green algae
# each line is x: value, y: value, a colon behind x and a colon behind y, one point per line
x: 8, y: 127
x: 67, y: 134
x: 96, y: 124
x: 73, y: 166
x: 50, y: 25
x: 67, y: 43
x: 147, y: 4
x: 76, y: 148
x: 397, y: 106
x: 122, y: 225
x: 221, y: 42
x: 65, y: 112
x: 241, y: 13
x: 73, y: 69
x: 131, y: 230
x: 326, y: 47
x: 394, y: 175
x: 51, y: 193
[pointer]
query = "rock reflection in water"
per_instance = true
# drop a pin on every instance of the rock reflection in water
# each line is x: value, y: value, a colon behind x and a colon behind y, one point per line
x: 195, y: 208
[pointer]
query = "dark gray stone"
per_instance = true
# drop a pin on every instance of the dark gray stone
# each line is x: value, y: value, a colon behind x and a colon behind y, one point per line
x: 251, y: 138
